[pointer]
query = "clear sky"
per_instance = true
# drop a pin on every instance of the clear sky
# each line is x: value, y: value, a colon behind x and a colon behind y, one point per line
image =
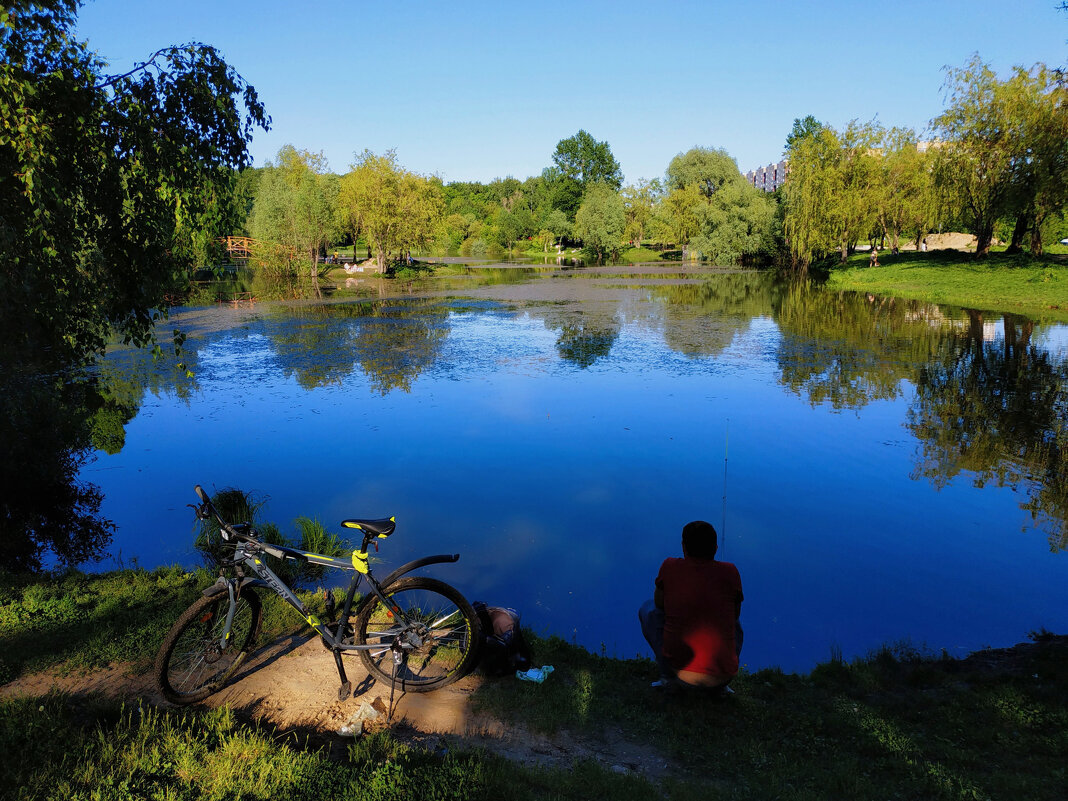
x: 479, y: 90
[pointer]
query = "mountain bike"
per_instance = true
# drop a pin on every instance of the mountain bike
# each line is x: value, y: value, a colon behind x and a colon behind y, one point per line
x: 415, y: 632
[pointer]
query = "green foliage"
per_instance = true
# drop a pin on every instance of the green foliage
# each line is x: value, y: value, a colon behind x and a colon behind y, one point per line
x: 834, y: 190
x: 801, y: 129
x: 1005, y: 149
x: 713, y: 210
x: 584, y: 159
x: 600, y: 220
x: 396, y: 210
x: 105, y: 183
x: 294, y: 213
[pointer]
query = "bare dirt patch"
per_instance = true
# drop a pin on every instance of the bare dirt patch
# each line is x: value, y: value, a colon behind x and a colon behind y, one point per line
x: 291, y: 686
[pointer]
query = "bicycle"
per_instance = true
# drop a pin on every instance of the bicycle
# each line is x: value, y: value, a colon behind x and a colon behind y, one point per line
x: 417, y: 633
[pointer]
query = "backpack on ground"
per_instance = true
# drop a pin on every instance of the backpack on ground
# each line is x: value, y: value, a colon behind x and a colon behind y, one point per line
x: 504, y: 649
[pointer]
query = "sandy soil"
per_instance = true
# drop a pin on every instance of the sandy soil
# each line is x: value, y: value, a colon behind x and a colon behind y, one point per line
x: 291, y: 685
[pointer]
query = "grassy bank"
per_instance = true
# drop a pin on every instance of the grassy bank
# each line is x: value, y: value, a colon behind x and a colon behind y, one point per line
x: 1035, y: 287
x: 895, y: 725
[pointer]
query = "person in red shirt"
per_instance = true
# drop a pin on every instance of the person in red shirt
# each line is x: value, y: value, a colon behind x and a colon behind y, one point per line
x: 692, y: 621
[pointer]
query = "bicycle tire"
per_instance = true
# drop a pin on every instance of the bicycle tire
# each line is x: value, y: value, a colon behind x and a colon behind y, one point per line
x: 190, y: 666
x: 450, y: 650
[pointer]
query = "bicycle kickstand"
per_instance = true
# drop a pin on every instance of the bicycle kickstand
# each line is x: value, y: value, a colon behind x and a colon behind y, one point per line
x: 345, y: 690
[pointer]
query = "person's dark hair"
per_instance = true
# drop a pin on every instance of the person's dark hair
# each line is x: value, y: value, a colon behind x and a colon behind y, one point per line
x: 699, y: 539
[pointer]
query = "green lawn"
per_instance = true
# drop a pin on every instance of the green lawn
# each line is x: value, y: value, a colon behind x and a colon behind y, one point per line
x: 1035, y: 287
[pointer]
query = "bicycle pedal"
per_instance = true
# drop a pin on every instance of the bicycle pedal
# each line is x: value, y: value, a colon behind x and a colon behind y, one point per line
x: 344, y: 691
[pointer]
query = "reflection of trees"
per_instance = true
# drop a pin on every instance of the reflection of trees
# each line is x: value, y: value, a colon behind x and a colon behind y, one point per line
x: 51, y: 419
x: 397, y: 340
x: 45, y: 437
x: 582, y: 345
x: 846, y: 349
x: 703, y: 319
x: 313, y: 346
x: 586, y: 334
x: 393, y: 341
x: 999, y: 410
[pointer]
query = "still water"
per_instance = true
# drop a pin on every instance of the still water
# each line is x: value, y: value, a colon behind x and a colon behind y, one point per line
x: 881, y: 471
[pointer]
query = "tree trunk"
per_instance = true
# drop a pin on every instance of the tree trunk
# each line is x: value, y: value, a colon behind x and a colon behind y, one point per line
x: 984, y: 234
x: 1023, y: 223
x: 975, y: 331
x: 1036, y: 239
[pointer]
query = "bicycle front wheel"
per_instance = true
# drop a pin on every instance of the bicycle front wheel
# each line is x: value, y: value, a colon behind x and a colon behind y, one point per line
x: 438, y: 645
x: 195, y: 660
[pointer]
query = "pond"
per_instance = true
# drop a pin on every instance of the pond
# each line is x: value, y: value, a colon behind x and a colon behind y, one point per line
x: 882, y: 472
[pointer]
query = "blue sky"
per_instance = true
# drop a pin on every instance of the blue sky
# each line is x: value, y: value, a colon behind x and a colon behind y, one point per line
x: 474, y: 91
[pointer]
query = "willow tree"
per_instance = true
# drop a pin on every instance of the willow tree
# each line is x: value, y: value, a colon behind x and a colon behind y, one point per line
x: 100, y: 175
x: 1004, y: 148
x: 294, y: 210
x: 396, y: 210
x: 905, y: 196
x: 831, y: 194
x: 722, y: 216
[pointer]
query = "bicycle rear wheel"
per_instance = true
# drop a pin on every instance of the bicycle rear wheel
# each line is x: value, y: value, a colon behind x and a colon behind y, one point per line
x: 439, y: 645
x: 193, y: 663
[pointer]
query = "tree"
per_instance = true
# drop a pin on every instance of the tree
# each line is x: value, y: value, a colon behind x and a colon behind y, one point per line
x: 294, y: 208
x: 1037, y: 107
x: 639, y: 205
x: 715, y: 210
x: 905, y: 195
x: 99, y: 176
x: 801, y: 130
x: 600, y: 220
x: 996, y: 156
x: 586, y: 161
x: 395, y: 209
x: 831, y: 194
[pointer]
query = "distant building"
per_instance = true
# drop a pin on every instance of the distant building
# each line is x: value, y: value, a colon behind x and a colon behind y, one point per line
x: 769, y: 178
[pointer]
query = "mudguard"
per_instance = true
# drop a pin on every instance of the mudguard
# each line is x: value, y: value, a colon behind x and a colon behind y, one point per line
x: 218, y: 587
x: 415, y: 565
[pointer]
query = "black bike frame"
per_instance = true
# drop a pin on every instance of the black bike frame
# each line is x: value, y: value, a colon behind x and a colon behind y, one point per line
x: 250, y: 558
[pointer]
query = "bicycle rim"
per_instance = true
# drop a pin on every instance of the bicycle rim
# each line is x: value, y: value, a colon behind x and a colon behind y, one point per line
x: 197, y: 664
x: 438, y: 643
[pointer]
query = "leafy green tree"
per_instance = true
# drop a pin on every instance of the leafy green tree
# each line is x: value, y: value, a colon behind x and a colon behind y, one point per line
x: 581, y: 161
x: 1037, y: 107
x: 996, y: 157
x: 100, y: 177
x: 831, y: 195
x: 905, y: 196
x: 395, y: 209
x: 718, y: 213
x: 295, y: 208
x: 600, y: 220
x: 639, y: 206
x: 802, y: 129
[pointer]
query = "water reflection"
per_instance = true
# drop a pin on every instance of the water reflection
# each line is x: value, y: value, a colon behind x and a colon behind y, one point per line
x: 997, y: 409
x: 574, y: 414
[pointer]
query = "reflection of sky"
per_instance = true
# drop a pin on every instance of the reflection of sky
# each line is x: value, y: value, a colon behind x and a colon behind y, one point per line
x: 563, y: 488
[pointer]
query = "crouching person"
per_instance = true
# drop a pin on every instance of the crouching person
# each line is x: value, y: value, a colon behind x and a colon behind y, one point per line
x: 692, y: 621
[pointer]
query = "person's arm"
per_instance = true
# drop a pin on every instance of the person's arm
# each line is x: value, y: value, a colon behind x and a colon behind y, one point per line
x: 658, y: 598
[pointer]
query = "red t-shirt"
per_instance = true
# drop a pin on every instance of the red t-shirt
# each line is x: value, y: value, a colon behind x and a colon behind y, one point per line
x: 701, y: 601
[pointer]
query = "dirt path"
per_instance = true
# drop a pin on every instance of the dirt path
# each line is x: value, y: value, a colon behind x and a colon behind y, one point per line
x: 292, y: 684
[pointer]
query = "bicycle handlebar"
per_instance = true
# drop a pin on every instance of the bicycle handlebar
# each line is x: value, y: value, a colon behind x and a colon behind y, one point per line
x: 229, y: 531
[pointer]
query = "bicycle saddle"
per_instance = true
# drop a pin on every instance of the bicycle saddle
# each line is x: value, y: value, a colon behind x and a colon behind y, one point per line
x: 382, y: 527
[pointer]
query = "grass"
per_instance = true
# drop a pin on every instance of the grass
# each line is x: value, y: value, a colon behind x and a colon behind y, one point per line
x: 895, y: 725
x: 1035, y: 287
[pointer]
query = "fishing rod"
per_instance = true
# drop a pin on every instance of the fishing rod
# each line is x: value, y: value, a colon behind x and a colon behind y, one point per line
x: 723, y: 522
